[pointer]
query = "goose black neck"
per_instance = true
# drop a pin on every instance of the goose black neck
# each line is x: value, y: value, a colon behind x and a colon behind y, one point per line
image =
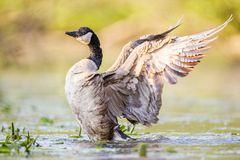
x: 96, y: 51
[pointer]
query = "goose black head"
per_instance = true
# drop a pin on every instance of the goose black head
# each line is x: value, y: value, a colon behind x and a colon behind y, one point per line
x: 84, y: 35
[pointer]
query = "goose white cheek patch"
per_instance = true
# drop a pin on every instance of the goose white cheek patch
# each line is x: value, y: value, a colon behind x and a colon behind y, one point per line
x: 86, y: 38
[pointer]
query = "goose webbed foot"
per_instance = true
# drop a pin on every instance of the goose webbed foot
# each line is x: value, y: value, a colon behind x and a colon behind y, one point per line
x: 119, y: 135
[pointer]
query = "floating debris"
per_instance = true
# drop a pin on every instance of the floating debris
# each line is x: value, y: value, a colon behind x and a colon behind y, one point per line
x: 235, y: 133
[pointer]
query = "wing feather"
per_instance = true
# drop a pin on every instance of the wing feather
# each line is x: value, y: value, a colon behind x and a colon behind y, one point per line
x: 134, y: 83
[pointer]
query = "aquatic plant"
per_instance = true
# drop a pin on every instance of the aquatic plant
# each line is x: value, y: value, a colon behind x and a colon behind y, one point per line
x: 170, y: 150
x: 128, y: 129
x: 142, y: 149
x: 46, y: 120
x: 79, y: 134
x: 17, y: 141
x: 99, y: 147
x: 5, y: 108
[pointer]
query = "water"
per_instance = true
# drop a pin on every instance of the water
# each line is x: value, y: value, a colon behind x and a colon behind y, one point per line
x: 199, y: 120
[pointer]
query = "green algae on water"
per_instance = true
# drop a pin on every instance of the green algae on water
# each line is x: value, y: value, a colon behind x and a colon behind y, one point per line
x: 46, y: 120
x: 170, y: 150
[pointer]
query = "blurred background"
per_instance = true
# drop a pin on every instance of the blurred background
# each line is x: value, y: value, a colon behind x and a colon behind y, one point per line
x: 35, y: 54
x: 32, y: 32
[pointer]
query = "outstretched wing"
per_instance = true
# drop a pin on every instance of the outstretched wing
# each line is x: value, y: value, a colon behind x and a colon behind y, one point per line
x: 134, y: 85
x: 129, y: 47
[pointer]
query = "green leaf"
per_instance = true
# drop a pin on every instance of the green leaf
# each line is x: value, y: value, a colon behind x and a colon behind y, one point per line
x: 5, y: 149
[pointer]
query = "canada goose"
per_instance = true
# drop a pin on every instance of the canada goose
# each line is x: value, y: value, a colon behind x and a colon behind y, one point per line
x: 131, y: 88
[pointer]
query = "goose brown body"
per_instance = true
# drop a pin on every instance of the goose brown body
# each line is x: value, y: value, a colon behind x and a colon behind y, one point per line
x: 132, y: 87
x: 85, y: 93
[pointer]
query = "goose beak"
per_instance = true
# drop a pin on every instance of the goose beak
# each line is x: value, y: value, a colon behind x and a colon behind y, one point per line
x: 72, y: 34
